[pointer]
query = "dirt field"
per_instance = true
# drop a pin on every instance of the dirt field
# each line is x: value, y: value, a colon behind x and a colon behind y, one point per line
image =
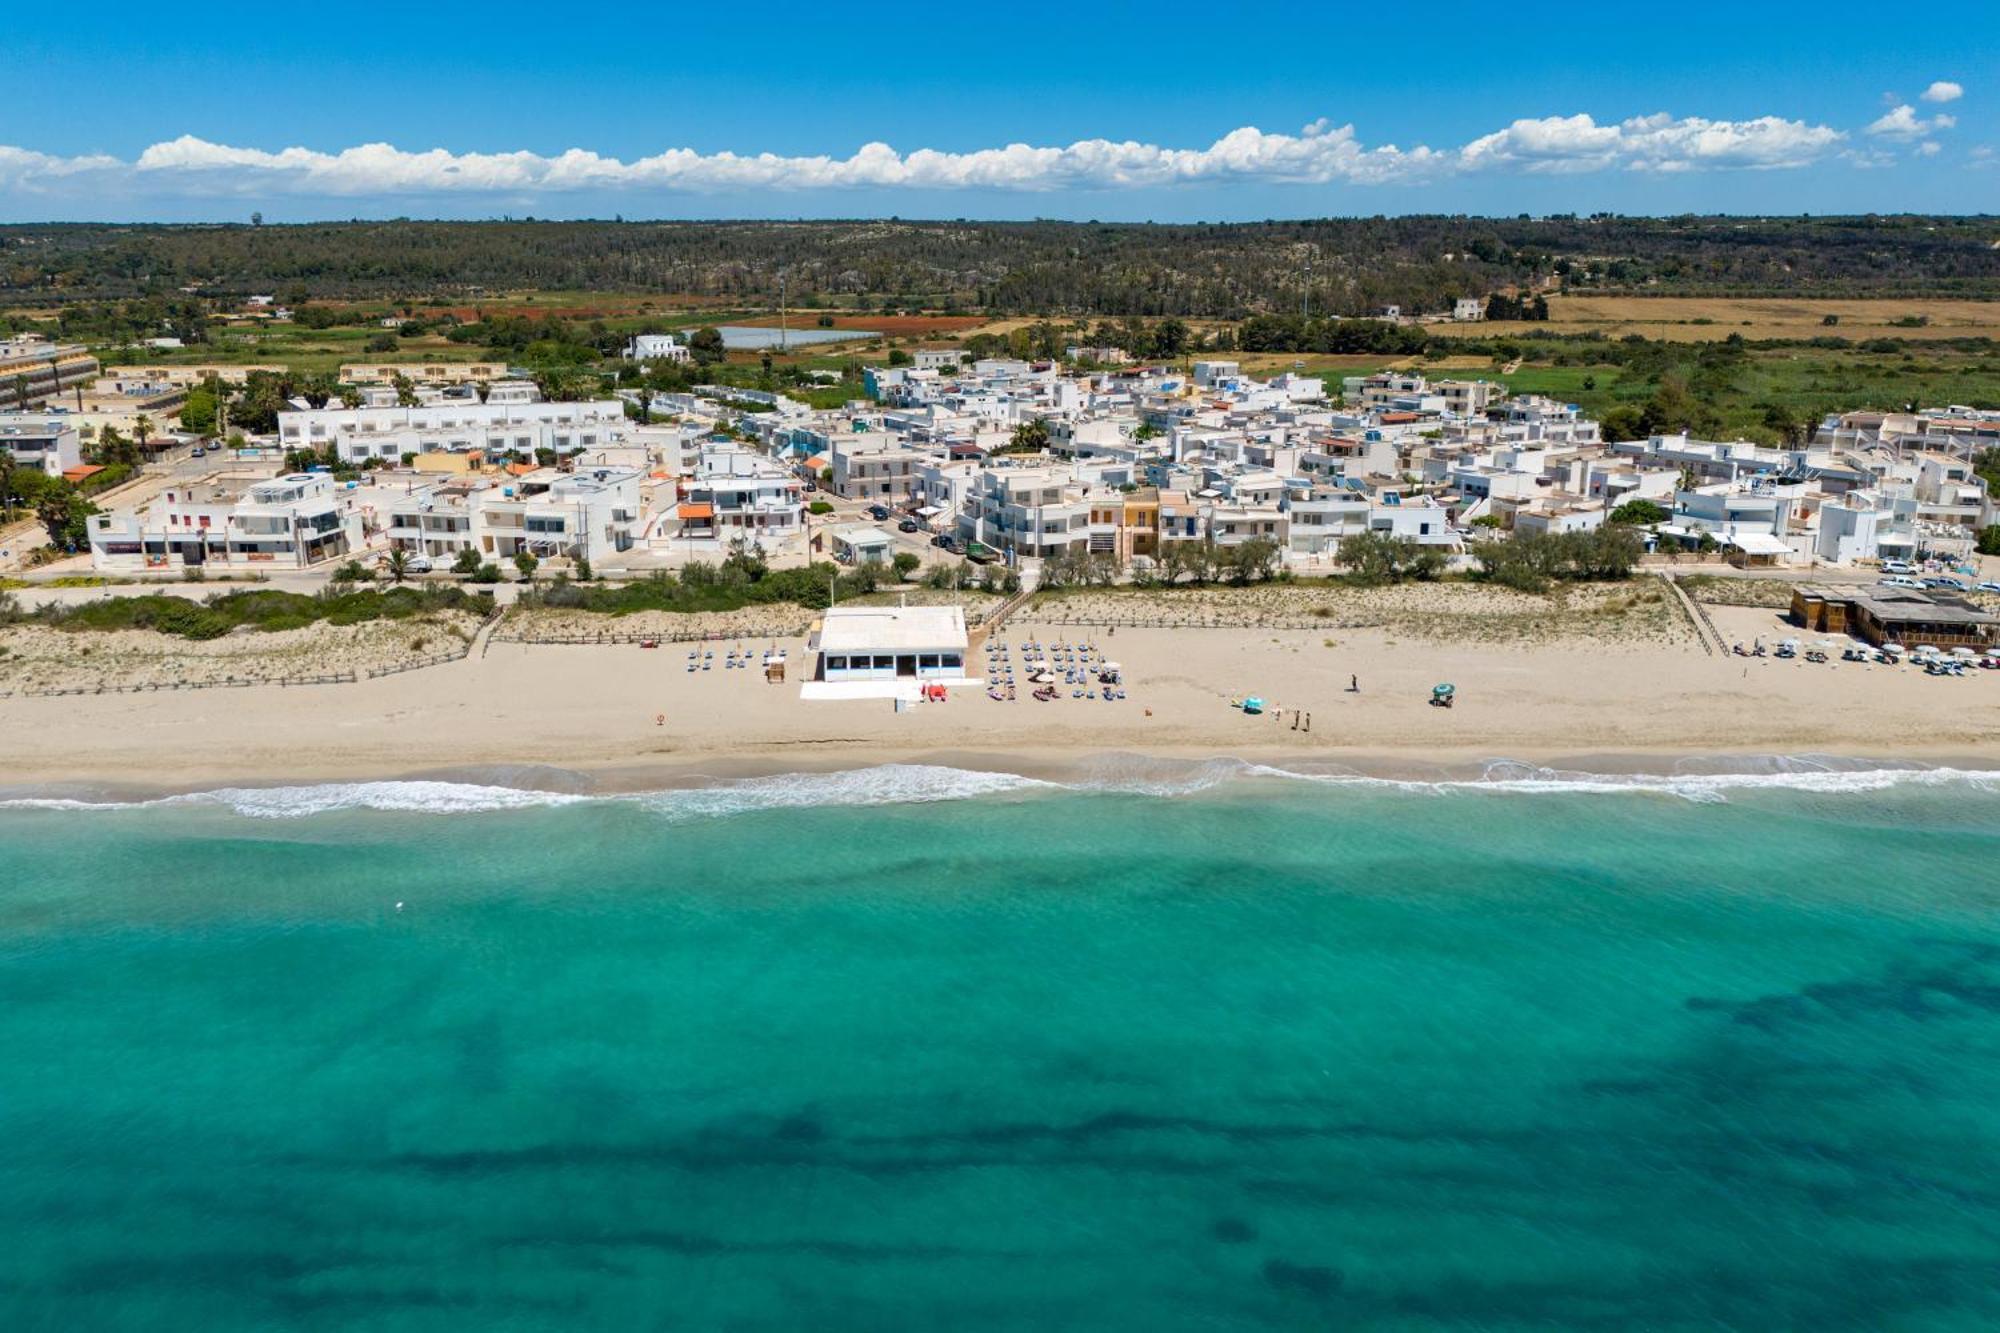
x: 1698, y: 319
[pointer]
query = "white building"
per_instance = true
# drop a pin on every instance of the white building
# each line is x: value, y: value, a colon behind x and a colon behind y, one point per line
x: 49, y: 445
x: 294, y: 521
x: 860, y: 544
x: 736, y: 493
x: 657, y: 347
x: 593, y: 515
x: 872, y: 465
x: 1467, y: 309
x: 887, y: 652
x: 358, y: 434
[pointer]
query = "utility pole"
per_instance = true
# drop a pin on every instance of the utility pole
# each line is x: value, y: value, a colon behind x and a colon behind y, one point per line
x: 784, y: 323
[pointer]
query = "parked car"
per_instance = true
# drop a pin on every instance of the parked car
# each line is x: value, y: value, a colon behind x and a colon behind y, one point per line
x: 1989, y: 586
x: 878, y: 512
x: 909, y: 525
x: 197, y: 452
x: 1901, y: 581
x: 1898, y: 567
x: 1945, y: 581
x: 419, y: 564
x: 944, y: 541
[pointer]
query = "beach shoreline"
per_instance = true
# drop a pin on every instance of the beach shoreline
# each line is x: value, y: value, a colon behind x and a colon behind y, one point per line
x: 1613, y: 687
x: 1162, y: 771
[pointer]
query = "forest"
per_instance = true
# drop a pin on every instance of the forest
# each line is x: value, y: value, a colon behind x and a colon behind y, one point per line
x: 1336, y: 266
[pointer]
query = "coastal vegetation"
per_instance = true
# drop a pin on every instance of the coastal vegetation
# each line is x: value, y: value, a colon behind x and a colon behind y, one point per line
x: 1532, y: 561
x: 741, y: 579
x: 260, y: 610
x: 1451, y: 610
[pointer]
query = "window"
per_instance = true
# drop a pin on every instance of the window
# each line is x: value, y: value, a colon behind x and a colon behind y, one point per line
x: 885, y: 663
x: 928, y: 661
x: 836, y: 664
x: 952, y: 661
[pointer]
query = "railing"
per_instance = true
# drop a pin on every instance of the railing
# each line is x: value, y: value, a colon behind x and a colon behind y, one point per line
x: 1705, y: 631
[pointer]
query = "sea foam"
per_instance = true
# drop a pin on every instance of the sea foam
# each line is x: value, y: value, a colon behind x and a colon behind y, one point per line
x: 907, y: 784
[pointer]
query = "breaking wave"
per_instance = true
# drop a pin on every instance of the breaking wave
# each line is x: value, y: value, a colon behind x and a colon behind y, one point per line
x: 908, y: 784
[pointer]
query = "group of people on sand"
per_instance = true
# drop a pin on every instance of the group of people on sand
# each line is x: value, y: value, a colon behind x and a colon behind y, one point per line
x: 1302, y: 720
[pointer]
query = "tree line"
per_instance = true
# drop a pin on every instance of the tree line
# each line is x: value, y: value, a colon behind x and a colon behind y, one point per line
x: 1344, y: 266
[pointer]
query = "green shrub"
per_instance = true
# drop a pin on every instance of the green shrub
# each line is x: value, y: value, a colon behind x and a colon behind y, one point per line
x: 264, y: 610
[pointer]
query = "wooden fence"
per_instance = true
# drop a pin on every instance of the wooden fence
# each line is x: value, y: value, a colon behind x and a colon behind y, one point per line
x: 1194, y: 622
x: 765, y: 632
x: 227, y: 683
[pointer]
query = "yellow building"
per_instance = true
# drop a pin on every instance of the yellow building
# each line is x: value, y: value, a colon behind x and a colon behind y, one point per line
x: 423, y: 372
x: 448, y: 464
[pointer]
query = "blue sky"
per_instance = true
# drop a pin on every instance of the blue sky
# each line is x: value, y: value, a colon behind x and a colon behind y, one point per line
x: 1162, y: 111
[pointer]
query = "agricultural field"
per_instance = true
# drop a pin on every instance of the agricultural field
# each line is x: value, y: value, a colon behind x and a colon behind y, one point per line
x: 1331, y: 368
x: 1701, y: 319
x: 1801, y: 384
x: 304, y: 350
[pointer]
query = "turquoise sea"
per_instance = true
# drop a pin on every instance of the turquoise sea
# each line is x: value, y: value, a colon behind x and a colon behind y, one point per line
x: 920, y: 1049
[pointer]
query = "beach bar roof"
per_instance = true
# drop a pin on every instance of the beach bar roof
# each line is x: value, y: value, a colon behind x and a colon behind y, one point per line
x: 888, y: 629
x: 887, y: 652
x: 1900, y: 615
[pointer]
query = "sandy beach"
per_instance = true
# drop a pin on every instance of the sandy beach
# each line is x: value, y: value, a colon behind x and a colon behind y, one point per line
x: 1618, y: 683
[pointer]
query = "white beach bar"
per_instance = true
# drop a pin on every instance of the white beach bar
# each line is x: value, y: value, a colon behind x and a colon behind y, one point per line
x: 887, y: 652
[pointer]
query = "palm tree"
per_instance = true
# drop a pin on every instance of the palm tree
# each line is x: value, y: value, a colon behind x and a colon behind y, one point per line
x: 56, y: 509
x: 399, y: 565
x: 142, y: 430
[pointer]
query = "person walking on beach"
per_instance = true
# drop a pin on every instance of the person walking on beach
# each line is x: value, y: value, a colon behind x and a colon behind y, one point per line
x: 1309, y: 724
x: 1354, y: 684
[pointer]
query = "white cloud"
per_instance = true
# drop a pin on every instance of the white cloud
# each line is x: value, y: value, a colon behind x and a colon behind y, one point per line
x: 1319, y: 154
x: 1649, y: 143
x: 1929, y: 148
x: 1903, y: 122
x: 1944, y: 90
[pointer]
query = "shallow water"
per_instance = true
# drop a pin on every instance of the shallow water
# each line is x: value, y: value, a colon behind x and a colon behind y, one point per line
x: 913, y: 1048
x: 745, y: 337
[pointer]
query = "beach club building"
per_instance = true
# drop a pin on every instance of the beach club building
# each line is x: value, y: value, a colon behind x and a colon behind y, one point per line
x: 1894, y: 615
x: 887, y: 652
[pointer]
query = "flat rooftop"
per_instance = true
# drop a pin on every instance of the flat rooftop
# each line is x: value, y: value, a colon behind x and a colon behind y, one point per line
x: 888, y: 629
x: 1903, y: 604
